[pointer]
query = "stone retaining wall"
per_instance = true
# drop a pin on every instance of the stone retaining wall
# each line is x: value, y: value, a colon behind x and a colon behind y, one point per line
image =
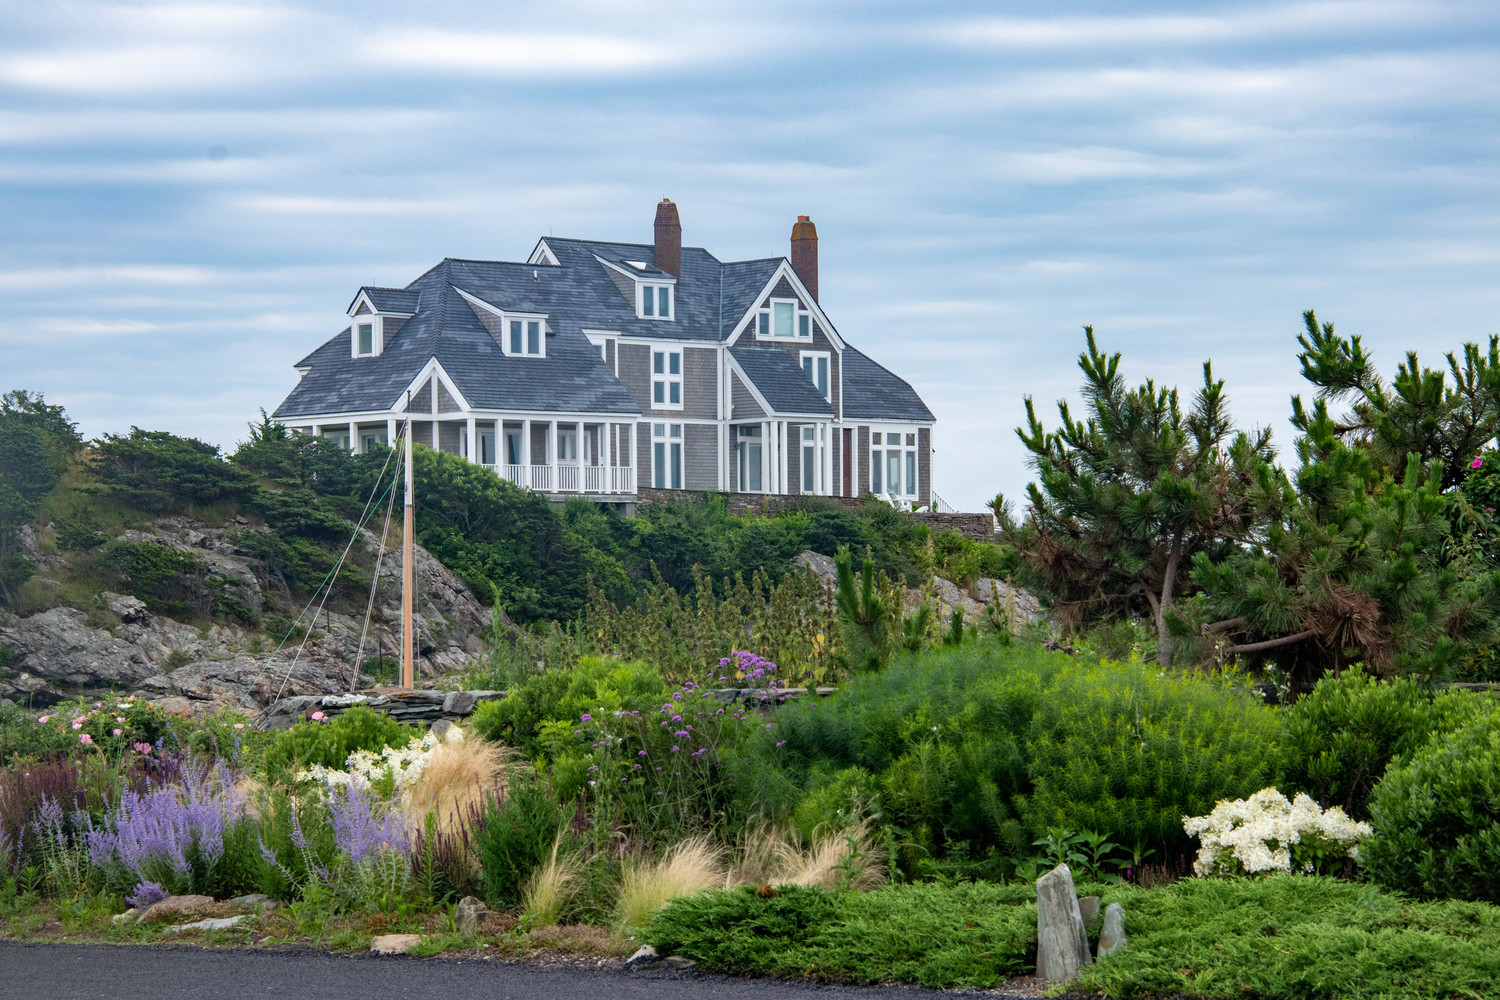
x: 453, y: 706
x: 979, y: 527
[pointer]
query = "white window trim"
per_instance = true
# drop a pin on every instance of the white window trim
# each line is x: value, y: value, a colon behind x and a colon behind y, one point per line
x: 827, y: 356
x: 799, y: 312
x: 641, y: 287
x: 506, y: 318
x: 667, y: 378
x: 377, y: 335
x: 667, y: 439
x: 909, y: 490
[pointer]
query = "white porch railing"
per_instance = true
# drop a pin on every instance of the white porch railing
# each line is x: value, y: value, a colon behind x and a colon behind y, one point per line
x: 593, y: 478
x: 570, y: 478
x: 515, y: 473
x: 541, y: 478
x: 622, y: 479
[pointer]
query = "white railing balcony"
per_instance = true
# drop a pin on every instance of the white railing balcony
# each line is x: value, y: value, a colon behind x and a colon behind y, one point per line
x: 622, y: 479
x: 541, y: 478
x: 594, y: 478
x: 568, y: 479
x: 515, y: 473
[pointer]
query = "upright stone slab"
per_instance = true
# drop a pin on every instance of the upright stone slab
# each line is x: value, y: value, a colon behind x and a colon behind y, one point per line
x: 1112, y: 937
x: 1062, y: 948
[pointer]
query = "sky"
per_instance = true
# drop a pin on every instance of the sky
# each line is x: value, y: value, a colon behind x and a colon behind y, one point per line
x: 191, y: 193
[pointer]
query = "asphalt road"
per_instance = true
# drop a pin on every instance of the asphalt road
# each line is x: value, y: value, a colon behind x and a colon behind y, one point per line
x: 75, y: 972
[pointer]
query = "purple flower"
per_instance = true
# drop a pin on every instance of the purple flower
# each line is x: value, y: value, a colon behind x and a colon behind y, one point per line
x: 146, y: 893
x: 1476, y: 463
x: 357, y: 830
x: 674, y: 750
x: 585, y: 717
x: 640, y: 753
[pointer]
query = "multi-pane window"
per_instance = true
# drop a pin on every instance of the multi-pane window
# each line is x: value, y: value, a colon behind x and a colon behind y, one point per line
x: 567, y: 444
x: 784, y: 319
x: 893, y: 463
x: 655, y: 301
x: 666, y: 379
x: 525, y: 338
x: 816, y: 367
x: 748, y: 457
x: 809, y: 459
x: 666, y: 455
x: 364, y: 337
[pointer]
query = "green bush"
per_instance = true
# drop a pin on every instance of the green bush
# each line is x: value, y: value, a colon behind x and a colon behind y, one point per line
x: 1437, y: 818
x: 156, y: 471
x: 941, y: 734
x: 1128, y: 751
x: 331, y: 743
x: 1339, y: 739
x: 515, y: 837
x: 593, y: 686
x: 973, y: 935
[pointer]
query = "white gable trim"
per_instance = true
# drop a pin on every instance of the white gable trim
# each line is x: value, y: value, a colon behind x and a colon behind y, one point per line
x: 433, y: 367
x: 770, y: 411
x: 785, y: 271
x: 543, y: 255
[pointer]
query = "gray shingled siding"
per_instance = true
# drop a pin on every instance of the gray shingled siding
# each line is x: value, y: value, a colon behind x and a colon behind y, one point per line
x: 625, y: 284
x: 700, y: 457
x: 421, y: 432
x: 700, y: 382
x: 924, y: 464
x: 609, y: 353
x: 643, y: 454
x: 422, y: 401
x: 494, y: 324
x: 539, y: 454
x: 635, y: 373
x: 783, y: 290
x: 446, y: 402
x: 389, y: 327
x: 862, y: 484
x: 363, y: 308
x: 450, y: 436
x: 741, y: 403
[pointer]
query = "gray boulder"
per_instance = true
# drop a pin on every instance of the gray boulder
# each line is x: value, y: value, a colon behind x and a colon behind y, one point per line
x: 468, y: 913
x: 1112, y: 937
x: 1062, y: 947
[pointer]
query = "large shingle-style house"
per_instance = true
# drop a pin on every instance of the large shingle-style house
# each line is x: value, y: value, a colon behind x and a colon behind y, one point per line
x: 600, y: 369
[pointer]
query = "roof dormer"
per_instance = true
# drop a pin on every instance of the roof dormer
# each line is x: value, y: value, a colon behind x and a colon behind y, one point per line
x: 375, y: 315
x: 652, y: 291
x: 519, y: 334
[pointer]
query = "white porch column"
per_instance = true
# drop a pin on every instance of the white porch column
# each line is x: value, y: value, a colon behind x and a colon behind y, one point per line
x: 525, y: 455
x: 783, y: 436
x: 390, y: 431
x: 354, y: 437
x: 552, y: 454
x: 474, y: 455
x: 765, y: 456
x: 826, y: 487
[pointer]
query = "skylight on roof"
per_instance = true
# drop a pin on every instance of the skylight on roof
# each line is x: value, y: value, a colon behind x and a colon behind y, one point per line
x: 639, y: 265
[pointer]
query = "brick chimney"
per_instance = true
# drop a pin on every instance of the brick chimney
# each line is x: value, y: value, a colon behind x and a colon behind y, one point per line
x: 668, y: 238
x: 805, y: 253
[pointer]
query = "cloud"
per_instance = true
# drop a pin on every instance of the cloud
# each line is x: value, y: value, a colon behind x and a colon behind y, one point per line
x: 518, y: 54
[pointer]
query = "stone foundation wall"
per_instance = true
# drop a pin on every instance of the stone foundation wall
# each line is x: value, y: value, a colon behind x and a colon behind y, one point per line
x: 978, y: 527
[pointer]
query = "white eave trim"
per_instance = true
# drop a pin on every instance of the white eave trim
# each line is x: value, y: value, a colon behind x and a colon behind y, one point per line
x: 430, y: 368
x: 543, y: 255
x: 662, y: 278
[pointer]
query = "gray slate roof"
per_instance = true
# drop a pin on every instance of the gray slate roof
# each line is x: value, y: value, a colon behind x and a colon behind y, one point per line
x: 780, y: 380
x: 874, y: 393
x: 710, y: 299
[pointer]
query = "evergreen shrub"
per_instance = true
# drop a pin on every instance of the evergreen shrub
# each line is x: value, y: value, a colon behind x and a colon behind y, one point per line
x: 593, y: 686
x: 1437, y: 817
x: 1129, y: 751
x: 515, y: 837
x: 331, y: 743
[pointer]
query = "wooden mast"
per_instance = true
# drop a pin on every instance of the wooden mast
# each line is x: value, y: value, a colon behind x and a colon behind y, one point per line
x: 408, y: 574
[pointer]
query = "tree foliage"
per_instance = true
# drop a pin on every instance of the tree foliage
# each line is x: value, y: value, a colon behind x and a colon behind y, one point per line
x: 37, y: 445
x: 1129, y: 496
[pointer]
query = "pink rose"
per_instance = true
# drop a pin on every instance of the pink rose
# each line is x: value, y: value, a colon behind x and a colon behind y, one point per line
x: 144, y: 748
x: 239, y: 725
x: 117, y: 732
x: 44, y: 718
x: 1476, y: 463
x: 317, y: 716
x: 77, y: 724
x: 86, y: 739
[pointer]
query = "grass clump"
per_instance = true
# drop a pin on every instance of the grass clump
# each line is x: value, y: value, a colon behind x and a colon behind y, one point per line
x: 689, y: 866
x: 551, y: 886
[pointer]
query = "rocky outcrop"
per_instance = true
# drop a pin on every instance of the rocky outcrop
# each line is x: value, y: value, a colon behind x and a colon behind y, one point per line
x: 1062, y: 946
x: 115, y: 643
x: 985, y: 600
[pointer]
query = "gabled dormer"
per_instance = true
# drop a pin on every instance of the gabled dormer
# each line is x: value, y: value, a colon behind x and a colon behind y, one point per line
x: 649, y: 289
x: 375, y: 317
x: 519, y: 334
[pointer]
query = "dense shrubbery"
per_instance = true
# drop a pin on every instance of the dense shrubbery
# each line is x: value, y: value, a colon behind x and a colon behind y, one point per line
x: 1437, y: 817
x: 330, y: 743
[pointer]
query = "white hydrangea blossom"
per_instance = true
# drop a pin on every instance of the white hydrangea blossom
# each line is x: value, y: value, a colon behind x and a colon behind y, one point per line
x: 1262, y: 834
x: 365, y: 767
